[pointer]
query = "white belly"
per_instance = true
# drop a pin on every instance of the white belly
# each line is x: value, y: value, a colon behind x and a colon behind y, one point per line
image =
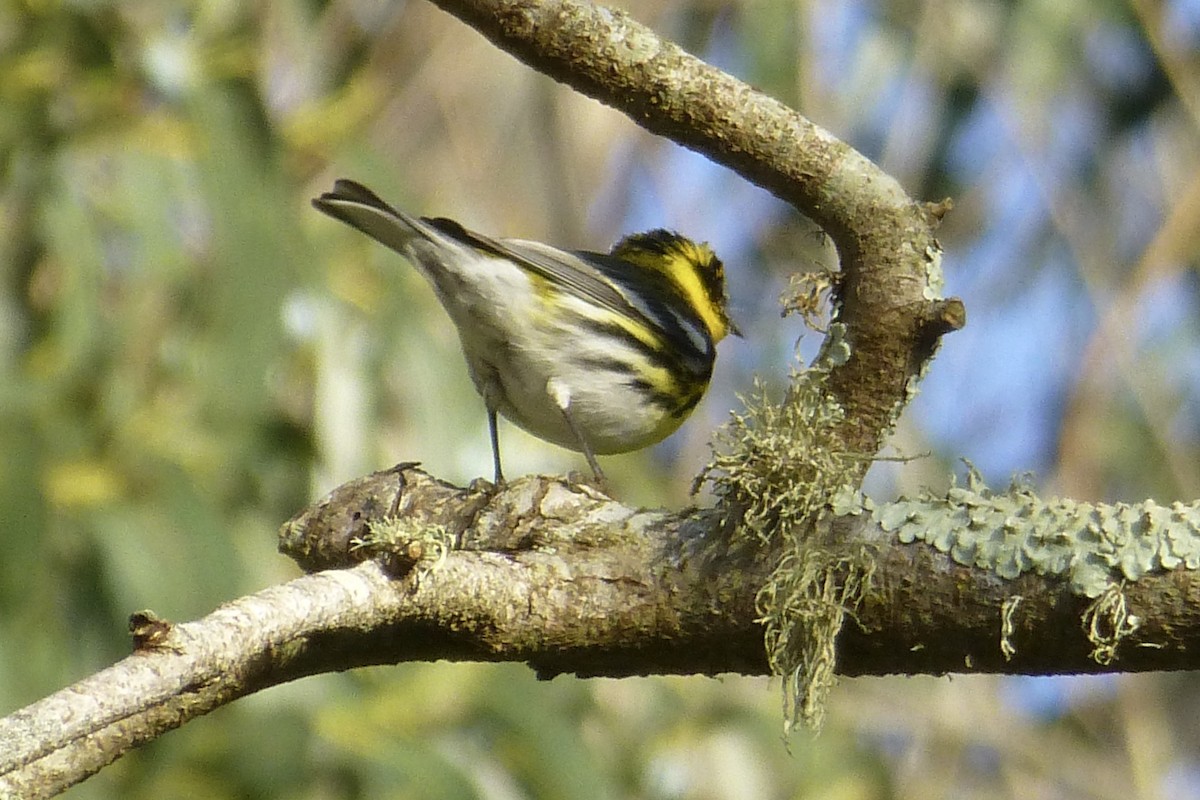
x: 525, y: 377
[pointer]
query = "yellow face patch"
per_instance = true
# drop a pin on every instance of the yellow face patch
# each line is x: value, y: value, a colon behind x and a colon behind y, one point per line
x: 693, y: 268
x: 687, y: 273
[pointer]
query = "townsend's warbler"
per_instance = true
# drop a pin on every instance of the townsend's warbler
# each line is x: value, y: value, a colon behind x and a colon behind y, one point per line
x: 597, y: 353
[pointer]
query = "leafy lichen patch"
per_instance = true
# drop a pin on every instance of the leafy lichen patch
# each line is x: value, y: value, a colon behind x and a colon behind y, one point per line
x: 1093, y: 545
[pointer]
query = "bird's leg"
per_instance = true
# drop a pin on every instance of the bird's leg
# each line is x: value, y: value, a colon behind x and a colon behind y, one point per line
x: 585, y: 448
x: 491, y: 414
x: 561, y: 395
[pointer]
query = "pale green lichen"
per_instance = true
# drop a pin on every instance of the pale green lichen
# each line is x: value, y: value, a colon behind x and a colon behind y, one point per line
x: 804, y: 606
x: 1008, y: 625
x: 1107, y: 621
x: 778, y: 462
x: 849, y: 502
x: 780, y: 469
x: 835, y: 347
x: 935, y: 278
x: 1092, y: 545
x: 424, y: 546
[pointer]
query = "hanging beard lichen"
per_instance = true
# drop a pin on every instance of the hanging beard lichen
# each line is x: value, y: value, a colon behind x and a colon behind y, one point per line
x: 804, y: 605
x: 779, y: 471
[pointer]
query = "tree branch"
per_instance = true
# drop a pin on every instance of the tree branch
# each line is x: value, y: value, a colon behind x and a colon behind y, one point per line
x: 569, y: 582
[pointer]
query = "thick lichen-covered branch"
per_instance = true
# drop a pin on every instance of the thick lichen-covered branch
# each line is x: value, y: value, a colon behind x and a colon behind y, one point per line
x: 1098, y: 549
x: 912, y: 608
x: 556, y: 576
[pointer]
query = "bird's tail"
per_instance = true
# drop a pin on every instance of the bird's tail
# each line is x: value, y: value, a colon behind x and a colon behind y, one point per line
x: 358, y: 206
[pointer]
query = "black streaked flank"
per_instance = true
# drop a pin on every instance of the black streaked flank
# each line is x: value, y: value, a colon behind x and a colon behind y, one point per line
x: 679, y: 358
x: 677, y: 405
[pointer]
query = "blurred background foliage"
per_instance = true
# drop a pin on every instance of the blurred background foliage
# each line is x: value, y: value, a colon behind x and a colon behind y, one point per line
x: 189, y: 353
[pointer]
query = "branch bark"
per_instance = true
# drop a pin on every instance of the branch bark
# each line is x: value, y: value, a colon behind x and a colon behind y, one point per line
x: 567, y: 581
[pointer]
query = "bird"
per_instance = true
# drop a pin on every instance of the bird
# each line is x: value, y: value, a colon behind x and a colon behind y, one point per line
x: 599, y: 353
